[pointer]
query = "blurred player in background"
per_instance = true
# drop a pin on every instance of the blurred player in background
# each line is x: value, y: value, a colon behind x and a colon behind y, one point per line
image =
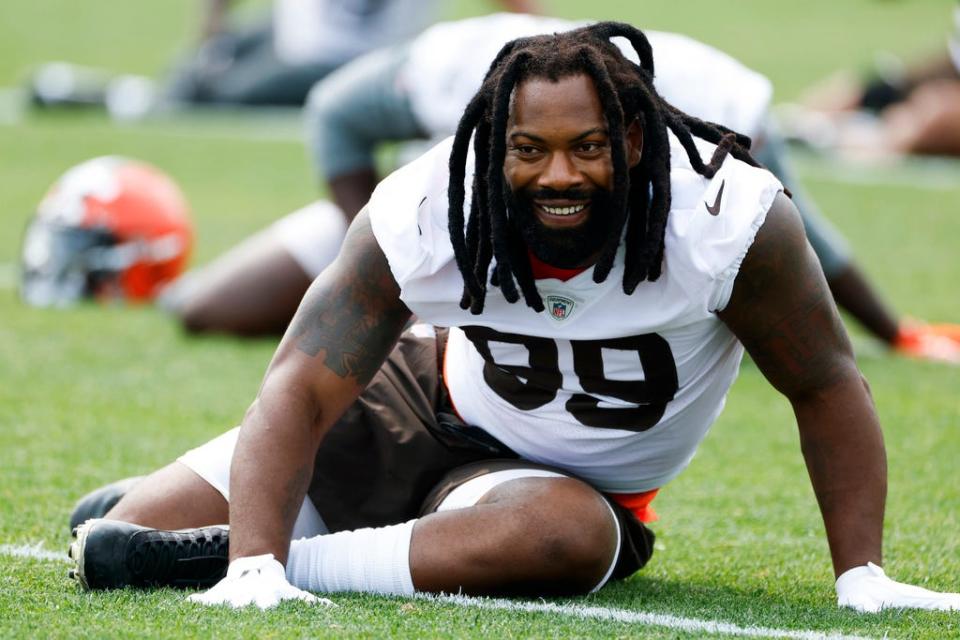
x: 899, y: 110
x: 273, y: 61
x: 410, y: 92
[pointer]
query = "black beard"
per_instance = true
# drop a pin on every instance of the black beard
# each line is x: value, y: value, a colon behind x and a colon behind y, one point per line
x: 563, y: 248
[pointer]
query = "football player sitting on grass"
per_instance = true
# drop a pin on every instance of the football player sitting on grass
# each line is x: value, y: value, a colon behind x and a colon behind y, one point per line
x: 602, y: 260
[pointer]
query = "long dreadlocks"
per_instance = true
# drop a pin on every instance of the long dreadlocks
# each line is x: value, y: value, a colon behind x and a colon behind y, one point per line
x: 640, y: 196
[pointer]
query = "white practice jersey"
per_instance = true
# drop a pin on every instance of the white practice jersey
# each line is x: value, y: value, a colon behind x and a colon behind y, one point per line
x: 335, y: 31
x: 617, y: 389
x: 449, y: 60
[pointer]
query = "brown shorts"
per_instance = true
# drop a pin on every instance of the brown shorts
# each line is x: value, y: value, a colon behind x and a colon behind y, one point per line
x: 400, y: 449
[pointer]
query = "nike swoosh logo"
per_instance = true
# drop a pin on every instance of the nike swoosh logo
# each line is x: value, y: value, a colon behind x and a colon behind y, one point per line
x: 419, y: 230
x: 715, y: 209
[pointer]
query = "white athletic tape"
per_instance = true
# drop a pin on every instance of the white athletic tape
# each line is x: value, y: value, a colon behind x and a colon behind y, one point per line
x: 691, y: 625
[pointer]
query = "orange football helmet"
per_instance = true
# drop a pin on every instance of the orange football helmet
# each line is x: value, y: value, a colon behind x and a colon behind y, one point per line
x: 109, y: 228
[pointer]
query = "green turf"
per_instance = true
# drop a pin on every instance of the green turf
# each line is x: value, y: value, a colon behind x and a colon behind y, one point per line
x: 91, y: 394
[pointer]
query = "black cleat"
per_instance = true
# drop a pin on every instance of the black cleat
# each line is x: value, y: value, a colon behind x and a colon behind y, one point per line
x: 110, y: 554
x: 98, y: 502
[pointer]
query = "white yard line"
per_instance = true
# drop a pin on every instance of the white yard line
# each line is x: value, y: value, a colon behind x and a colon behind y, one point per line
x: 35, y: 552
x: 690, y: 625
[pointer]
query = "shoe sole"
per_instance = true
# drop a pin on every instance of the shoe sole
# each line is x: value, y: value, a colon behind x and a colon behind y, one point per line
x: 76, y: 552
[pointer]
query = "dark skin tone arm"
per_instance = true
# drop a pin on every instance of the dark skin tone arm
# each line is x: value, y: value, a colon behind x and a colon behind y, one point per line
x: 351, y: 191
x: 782, y: 311
x: 348, y: 322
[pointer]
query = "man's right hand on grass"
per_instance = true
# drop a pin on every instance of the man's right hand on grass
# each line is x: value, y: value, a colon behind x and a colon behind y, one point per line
x: 867, y: 589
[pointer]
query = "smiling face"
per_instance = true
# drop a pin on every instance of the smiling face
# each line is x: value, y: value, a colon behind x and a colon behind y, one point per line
x: 559, y: 168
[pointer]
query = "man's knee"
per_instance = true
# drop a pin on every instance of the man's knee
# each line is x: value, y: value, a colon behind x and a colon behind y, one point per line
x: 194, y: 316
x: 566, y: 526
x: 173, y: 497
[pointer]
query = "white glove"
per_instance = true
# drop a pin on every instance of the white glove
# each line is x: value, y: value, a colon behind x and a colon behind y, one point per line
x: 868, y: 590
x: 259, y: 580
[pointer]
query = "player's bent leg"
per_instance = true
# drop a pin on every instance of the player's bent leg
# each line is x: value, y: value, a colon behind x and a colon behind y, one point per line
x: 528, y: 536
x: 193, y: 491
x: 256, y: 287
x: 927, y: 123
x: 98, y: 502
x: 173, y: 497
x: 253, y: 289
x: 167, y: 529
x: 491, y: 527
x: 133, y: 546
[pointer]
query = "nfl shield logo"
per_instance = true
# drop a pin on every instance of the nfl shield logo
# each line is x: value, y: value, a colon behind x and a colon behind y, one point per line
x: 559, y: 307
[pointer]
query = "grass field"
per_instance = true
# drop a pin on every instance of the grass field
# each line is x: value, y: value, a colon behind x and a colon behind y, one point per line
x: 91, y: 394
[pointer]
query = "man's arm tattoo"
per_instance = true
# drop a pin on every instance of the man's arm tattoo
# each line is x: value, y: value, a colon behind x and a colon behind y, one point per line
x: 352, y: 313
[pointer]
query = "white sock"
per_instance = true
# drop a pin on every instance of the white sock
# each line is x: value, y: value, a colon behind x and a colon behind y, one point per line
x: 364, y: 560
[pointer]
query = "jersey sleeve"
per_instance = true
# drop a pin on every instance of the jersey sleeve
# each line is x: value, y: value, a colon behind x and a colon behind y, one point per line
x: 748, y: 203
x: 408, y: 214
x: 714, y: 223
